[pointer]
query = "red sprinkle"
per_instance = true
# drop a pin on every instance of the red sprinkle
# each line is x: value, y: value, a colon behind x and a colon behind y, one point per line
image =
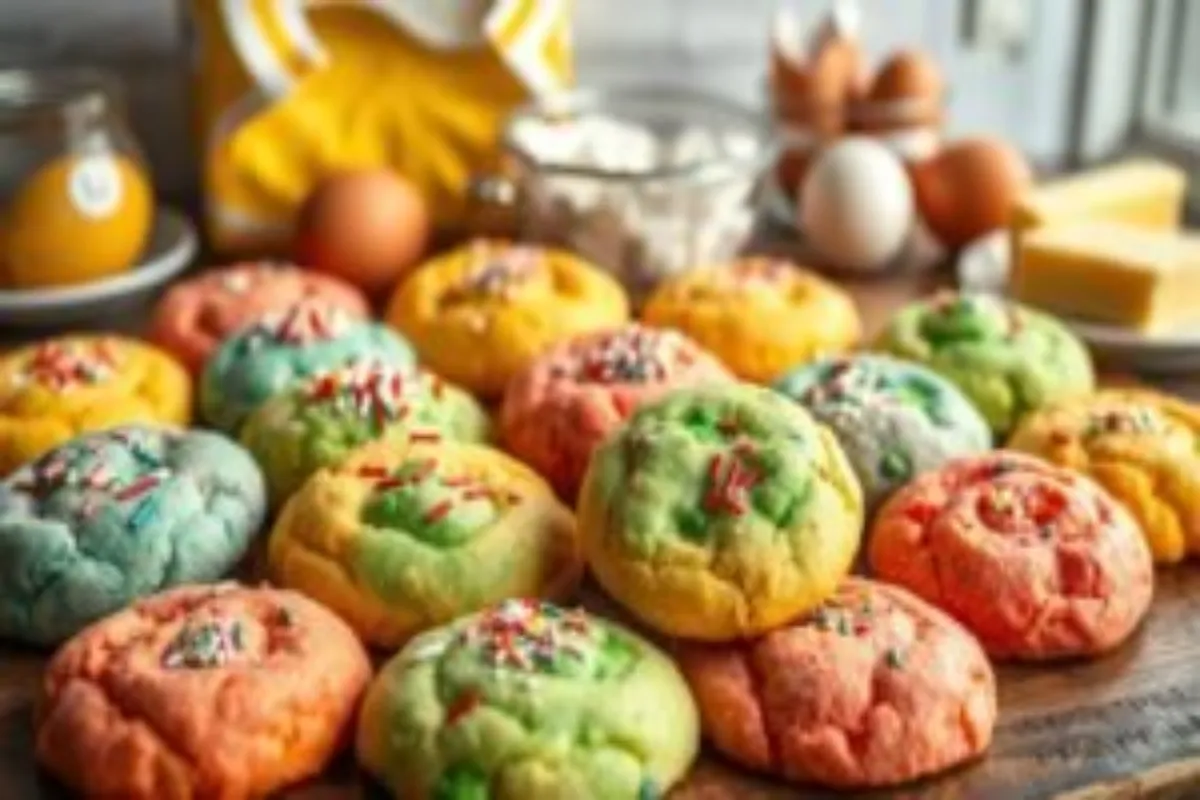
x: 371, y: 471
x: 438, y: 512
x: 138, y: 487
x: 462, y: 706
x: 424, y: 436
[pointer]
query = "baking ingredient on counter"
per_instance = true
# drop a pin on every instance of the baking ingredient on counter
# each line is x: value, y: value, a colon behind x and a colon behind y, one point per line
x: 1141, y: 192
x: 1139, y: 278
x: 970, y: 188
x: 856, y: 205
x: 367, y: 227
x: 644, y: 198
x: 815, y: 77
x: 75, y: 219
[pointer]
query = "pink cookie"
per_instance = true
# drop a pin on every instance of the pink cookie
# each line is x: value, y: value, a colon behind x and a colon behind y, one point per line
x: 566, y: 402
x: 195, y: 316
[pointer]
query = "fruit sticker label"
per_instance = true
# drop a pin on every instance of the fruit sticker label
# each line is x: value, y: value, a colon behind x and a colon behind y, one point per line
x: 95, y: 186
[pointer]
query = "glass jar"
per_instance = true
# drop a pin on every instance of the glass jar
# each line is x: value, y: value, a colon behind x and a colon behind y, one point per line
x: 645, y: 182
x: 76, y: 201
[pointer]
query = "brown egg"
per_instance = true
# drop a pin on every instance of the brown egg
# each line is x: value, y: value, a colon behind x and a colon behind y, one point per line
x: 906, y: 92
x: 367, y: 227
x: 969, y: 188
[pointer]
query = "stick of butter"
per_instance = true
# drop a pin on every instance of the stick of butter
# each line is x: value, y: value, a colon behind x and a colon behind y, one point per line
x: 1142, y: 192
x: 1110, y: 272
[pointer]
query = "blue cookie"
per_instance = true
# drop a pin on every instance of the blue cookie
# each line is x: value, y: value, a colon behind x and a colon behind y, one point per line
x: 894, y: 419
x: 112, y: 516
x: 281, y: 350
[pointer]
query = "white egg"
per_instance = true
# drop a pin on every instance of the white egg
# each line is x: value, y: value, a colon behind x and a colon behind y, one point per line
x: 856, y: 205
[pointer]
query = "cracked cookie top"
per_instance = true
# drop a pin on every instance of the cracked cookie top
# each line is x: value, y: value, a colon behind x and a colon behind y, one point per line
x: 525, y: 700
x: 904, y: 692
x: 115, y: 515
x: 719, y: 512
x: 212, y: 691
x: 1006, y: 358
x: 1037, y: 561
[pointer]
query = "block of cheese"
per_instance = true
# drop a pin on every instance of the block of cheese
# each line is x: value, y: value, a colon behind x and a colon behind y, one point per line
x: 1113, y: 273
x: 1140, y: 192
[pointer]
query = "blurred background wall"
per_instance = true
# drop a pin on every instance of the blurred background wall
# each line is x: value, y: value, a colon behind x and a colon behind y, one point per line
x: 1063, y: 79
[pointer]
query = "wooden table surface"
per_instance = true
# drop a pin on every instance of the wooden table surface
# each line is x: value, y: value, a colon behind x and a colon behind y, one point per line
x: 1121, y: 727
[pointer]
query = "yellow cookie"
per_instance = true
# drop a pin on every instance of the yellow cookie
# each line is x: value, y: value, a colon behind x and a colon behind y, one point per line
x: 60, y: 388
x: 399, y: 538
x: 1140, y: 445
x: 760, y: 316
x: 480, y: 313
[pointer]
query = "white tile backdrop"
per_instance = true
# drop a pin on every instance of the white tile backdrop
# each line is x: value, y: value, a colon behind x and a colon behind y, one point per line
x: 718, y: 44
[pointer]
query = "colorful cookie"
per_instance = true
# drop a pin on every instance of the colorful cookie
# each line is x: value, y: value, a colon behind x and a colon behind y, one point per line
x: 893, y: 419
x: 280, y: 351
x: 212, y: 691
x: 53, y: 391
x: 1141, y: 446
x: 318, y: 422
x: 483, y: 312
x: 400, y: 537
x: 874, y: 688
x: 1036, y: 560
x: 1006, y: 358
x: 760, y: 316
x: 527, y: 701
x: 720, y: 512
x: 116, y: 515
x: 558, y: 410
x: 195, y: 316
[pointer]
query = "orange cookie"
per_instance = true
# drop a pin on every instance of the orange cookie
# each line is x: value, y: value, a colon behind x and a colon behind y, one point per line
x: 1038, y: 561
x: 219, y: 691
x: 873, y: 688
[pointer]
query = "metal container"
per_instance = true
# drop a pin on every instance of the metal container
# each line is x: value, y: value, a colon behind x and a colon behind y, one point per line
x: 677, y: 193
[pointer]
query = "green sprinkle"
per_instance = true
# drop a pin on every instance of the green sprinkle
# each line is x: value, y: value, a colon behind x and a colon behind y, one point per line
x: 896, y: 465
x: 895, y: 659
x: 693, y: 524
x: 843, y: 625
x: 286, y: 617
x: 463, y: 782
x: 648, y: 790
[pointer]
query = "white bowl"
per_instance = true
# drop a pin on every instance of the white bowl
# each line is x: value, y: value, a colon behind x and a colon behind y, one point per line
x: 107, y: 302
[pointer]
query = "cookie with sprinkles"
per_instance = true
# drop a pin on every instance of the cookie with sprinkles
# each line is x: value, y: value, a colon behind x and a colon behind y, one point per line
x: 216, y: 691
x: 318, y: 422
x: 563, y: 405
x: 1036, y: 560
x: 1142, y: 446
x: 59, y: 388
x: 526, y: 700
x: 720, y: 512
x: 1007, y: 359
x: 873, y: 688
x: 894, y: 419
x: 112, y: 516
x: 403, y: 535
x: 282, y: 350
x: 196, y: 315
x: 761, y: 316
x: 481, y: 313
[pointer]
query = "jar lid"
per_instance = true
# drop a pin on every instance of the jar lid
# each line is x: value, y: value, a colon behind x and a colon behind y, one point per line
x: 65, y: 95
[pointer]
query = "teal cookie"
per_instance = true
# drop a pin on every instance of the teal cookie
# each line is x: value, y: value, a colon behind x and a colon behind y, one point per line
x: 317, y: 422
x: 281, y: 350
x: 112, y: 516
x: 527, y: 701
x: 893, y: 419
x: 1005, y: 357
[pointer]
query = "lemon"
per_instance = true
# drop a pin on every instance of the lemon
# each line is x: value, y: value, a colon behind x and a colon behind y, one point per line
x: 76, y: 219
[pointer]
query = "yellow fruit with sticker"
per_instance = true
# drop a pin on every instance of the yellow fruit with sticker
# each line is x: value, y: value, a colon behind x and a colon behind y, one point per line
x: 76, y: 219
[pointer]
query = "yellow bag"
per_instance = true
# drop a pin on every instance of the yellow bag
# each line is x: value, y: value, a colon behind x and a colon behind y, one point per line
x: 290, y: 90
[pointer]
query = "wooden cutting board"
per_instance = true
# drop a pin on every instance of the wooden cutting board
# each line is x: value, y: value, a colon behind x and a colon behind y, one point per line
x: 1126, y: 726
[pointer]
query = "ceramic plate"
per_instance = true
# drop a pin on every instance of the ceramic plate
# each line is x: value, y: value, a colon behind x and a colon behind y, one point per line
x: 172, y: 247
x: 1173, y: 352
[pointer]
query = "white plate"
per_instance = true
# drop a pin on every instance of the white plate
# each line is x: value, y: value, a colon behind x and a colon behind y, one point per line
x: 1161, y: 354
x: 172, y: 247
